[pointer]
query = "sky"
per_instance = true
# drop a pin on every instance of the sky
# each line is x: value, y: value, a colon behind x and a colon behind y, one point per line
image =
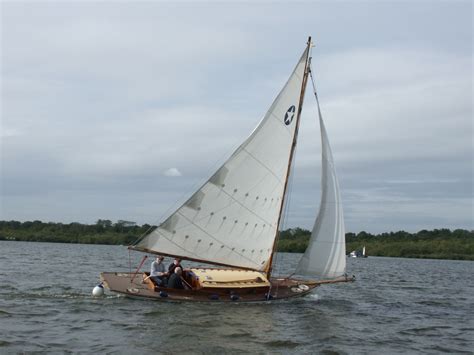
x: 120, y: 110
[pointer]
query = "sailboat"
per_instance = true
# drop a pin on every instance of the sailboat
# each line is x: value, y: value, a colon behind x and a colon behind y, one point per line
x: 358, y: 253
x: 230, y: 225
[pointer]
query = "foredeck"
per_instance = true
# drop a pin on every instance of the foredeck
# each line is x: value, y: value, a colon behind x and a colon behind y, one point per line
x: 229, y: 278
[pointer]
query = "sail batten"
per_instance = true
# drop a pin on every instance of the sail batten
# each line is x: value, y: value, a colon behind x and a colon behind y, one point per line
x: 233, y: 218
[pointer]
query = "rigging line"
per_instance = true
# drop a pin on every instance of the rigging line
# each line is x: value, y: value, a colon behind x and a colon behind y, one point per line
x: 284, y: 221
x: 268, y: 268
x: 148, y: 231
x: 314, y: 90
x: 286, y: 211
x: 289, y: 198
x: 130, y: 263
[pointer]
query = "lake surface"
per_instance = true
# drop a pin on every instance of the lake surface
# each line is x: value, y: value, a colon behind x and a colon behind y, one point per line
x: 395, y: 306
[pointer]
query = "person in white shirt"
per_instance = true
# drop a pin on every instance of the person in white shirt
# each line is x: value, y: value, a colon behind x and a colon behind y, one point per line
x: 158, y: 272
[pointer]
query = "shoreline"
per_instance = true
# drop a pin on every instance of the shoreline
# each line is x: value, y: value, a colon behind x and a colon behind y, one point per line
x: 438, y: 244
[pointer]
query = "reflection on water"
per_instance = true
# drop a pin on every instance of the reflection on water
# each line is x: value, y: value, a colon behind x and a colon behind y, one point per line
x: 396, y: 305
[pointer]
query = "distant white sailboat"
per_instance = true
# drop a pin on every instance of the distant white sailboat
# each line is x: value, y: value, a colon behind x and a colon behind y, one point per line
x: 358, y: 253
x: 232, y: 221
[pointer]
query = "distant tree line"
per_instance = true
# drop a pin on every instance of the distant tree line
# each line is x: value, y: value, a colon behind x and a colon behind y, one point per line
x: 436, y: 244
x: 102, y: 232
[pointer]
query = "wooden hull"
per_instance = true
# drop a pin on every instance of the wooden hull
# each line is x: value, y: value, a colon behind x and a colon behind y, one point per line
x: 125, y: 284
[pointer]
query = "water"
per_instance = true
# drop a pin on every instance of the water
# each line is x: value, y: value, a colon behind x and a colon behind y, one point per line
x: 395, y: 306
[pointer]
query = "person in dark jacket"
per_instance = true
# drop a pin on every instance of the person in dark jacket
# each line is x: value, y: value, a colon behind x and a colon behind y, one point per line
x: 174, y: 280
x: 175, y: 264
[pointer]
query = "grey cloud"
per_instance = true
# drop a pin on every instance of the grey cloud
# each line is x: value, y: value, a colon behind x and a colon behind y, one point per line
x: 99, y: 99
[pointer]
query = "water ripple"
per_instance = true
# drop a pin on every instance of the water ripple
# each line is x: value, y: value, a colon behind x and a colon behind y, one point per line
x: 395, y: 306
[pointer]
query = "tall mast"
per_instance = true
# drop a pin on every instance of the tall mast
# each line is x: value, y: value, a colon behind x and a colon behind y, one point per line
x: 292, y: 151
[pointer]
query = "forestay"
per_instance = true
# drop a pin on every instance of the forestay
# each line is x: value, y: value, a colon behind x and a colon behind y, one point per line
x: 232, y: 219
x: 325, y: 256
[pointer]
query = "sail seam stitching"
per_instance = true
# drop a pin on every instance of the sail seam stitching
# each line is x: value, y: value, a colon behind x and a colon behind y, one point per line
x: 258, y: 161
x: 179, y: 246
x: 223, y: 208
x: 217, y: 240
x: 182, y: 248
x: 276, y: 118
x: 242, y: 205
x: 210, y: 235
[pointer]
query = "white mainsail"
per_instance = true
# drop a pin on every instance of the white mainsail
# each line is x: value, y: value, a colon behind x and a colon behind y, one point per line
x: 325, y: 256
x: 233, y: 218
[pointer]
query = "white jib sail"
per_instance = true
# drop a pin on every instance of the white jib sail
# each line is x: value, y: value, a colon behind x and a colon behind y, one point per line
x: 325, y: 256
x: 232, y: 219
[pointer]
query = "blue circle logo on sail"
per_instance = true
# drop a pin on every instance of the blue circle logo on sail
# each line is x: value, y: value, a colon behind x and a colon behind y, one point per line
x: 289, y: 115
